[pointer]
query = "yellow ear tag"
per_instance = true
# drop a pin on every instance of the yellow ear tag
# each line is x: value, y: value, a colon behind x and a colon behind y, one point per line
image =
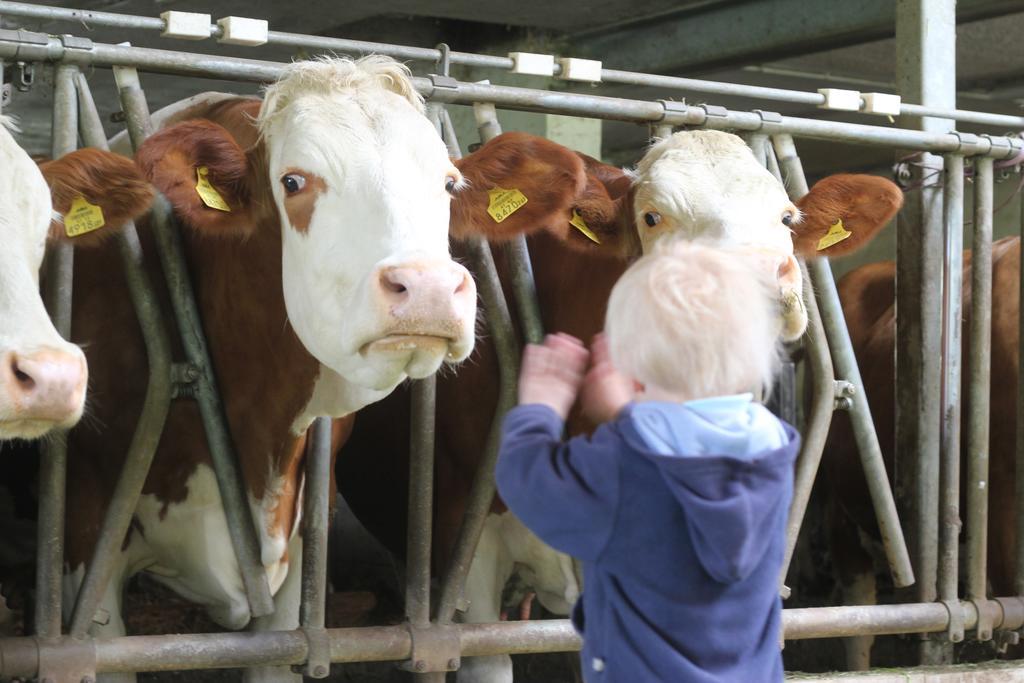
x: 504, y: 203
x: 82, y: 218
x: 577, y: 222
x: 836, y: 234
x: 208, y: 193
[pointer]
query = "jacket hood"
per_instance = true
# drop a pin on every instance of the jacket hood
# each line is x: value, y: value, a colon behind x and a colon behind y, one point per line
x: 728, y: 462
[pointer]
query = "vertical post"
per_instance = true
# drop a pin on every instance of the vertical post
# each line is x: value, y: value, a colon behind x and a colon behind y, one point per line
x: 838, y: 335
x: 154, y: 410
x: 979, y: 382
x: 926, y: 74
x: 316, y: 505
x: 53, y: 466
x: 171, y: 250
x: 1019, y: 469
x: 952, y: 303
x: 316, y: 511
x: 421, y: 497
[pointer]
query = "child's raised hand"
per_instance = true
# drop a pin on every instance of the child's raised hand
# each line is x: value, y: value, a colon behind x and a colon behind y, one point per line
x: 552, y: 372
x: 605, y: 390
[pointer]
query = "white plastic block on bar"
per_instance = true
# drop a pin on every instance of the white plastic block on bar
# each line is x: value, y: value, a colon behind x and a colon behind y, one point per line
x: 881, y: 103
x: 532, y: 64
x: 839, y: 99
x: 243, y: 31
x: 186, y: 25
x: 574, y: 69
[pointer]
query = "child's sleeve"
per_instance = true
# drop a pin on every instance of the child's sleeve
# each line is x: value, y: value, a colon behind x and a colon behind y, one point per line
x: 566, y: 493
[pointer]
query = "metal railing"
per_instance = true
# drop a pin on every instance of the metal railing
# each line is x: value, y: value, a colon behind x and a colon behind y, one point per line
x: 672, y: 84
x: 314, y: 646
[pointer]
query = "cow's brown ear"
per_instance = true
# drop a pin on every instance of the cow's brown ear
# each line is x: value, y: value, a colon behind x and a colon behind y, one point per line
x: 205, y: 175
x: 95, y: 192
x: 843, y: 212
x: 519, y: 184
x: 606, y: 206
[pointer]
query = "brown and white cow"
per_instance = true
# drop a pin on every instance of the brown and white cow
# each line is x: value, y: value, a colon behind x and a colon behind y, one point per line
x: 701, y: 185
x: 868, y: 295
x: 43, y: 377
x: 321, y: 266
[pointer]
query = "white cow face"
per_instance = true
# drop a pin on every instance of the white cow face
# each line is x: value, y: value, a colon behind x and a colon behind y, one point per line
x: 43, y: 377
x: 363, y: 187
x: 708, y: 186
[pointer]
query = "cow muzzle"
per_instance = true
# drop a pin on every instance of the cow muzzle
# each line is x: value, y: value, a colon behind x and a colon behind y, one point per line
x: 40, y: 390
x: 429, y: 308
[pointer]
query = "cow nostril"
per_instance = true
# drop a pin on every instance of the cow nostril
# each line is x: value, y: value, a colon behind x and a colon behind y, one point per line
x: 391, y: 284
x: 463, y: 285
x: 21, y: 377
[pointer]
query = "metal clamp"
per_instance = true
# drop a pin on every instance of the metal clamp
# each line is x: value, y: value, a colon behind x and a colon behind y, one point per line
x: 714, y: 111
x: 24, y: 76
x: 75, y: 43
x: 66, y: 660
x: 768, y: 118
x: 989, y: 614
x: 676, y: 110
x: 318, y: 657
x: 26, y: 37
x: 434, y: 648
x: 996, y: 142
x: 444, y: 88
x: 955, y: 631
x: 844, y: 393
x: 444, y: 62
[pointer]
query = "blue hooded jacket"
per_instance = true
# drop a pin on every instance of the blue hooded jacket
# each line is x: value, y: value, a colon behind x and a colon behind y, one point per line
x: 678, y: 513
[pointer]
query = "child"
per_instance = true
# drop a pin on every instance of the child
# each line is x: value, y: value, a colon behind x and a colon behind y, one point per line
x: 677, y: 505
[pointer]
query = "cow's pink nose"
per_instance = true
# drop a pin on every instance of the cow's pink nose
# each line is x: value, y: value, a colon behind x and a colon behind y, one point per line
x: 421, y: 288
x: 45, y: 385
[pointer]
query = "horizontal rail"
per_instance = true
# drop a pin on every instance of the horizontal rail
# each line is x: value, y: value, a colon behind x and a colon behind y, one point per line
x: 25, y: 46
x: 22, y: 656
x: 674, y: 83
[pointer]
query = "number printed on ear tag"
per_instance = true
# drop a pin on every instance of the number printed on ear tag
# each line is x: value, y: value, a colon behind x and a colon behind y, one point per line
x: 504, y: 203
x: 82, y: 218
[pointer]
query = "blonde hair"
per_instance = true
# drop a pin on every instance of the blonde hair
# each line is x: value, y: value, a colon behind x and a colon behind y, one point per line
x: 334, y: 74
x: 696, y: 321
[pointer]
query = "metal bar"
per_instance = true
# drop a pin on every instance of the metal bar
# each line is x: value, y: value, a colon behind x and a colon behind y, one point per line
x: 1018, y: 582
x: 155, y: 406
x: 316, y: 509
x: 819, y: 420
x: 481, y: 495
x: 171, y: 251
x: 499, y: 323
x: 421, y: 499
x: 14, y: 45
x: 838, y: 336
x: 925, y: 73
x: 404, y: 52
x: 19, y: 657
x: 53, y: 462
x: 979, y: 382
x: 949, y: 451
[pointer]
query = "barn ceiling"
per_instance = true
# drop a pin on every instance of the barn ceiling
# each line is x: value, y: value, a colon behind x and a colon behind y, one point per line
x: 744, y: 41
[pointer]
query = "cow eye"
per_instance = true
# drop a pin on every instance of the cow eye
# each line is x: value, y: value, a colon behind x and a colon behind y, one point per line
x: 449, y: 185
x: 787, y: 218
x: 293, y: 182
x: 652, y: 218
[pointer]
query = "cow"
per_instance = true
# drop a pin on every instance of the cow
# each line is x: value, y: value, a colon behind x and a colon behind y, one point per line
x: 699, y: 185
x: 43, y: 377
x: 315, y: 225
x: 868, y: 296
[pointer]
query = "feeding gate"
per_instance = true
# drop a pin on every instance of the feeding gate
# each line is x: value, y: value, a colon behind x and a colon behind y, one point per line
x: 432, y: 642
